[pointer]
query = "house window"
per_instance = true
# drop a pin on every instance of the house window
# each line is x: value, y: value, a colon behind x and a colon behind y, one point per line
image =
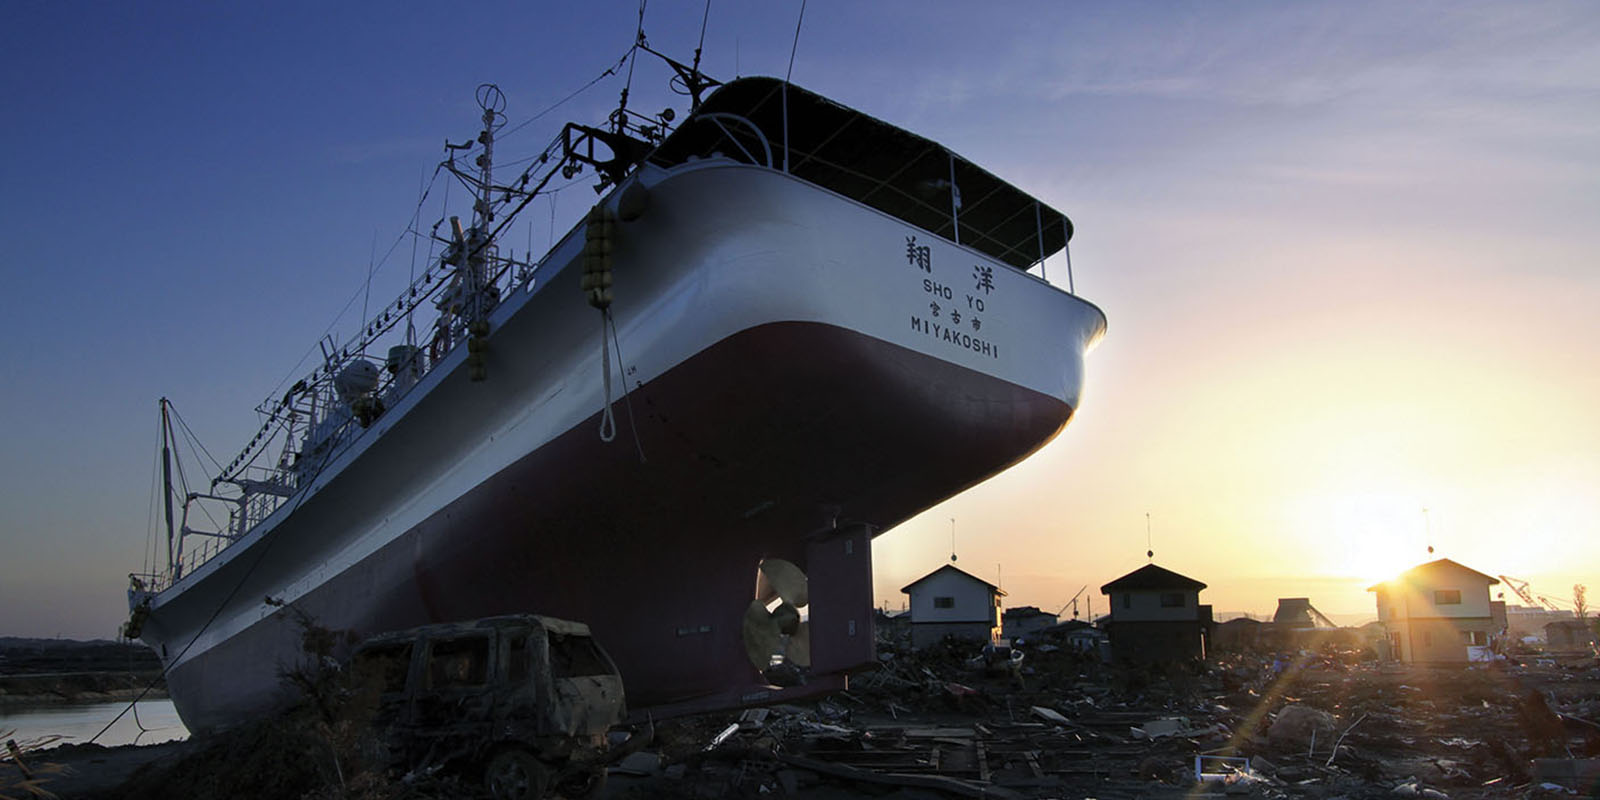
x: 1474, y: 638
x: 1127, y: 600
x: 1447, y: 597
x: 944, y: 602
x: 1427, y: 638
x: 1172, y: 599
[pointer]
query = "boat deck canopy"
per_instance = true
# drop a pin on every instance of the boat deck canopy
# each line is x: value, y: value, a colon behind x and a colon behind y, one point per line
x: 875, y: 163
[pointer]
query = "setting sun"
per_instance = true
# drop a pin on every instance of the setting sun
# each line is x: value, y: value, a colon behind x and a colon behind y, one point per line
x: 1378, y: 535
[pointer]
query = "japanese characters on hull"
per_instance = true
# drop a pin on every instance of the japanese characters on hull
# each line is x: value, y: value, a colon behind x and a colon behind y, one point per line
x: 951, y: 311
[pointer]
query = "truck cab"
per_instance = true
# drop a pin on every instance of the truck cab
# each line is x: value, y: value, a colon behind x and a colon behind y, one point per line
x: 526, y: 699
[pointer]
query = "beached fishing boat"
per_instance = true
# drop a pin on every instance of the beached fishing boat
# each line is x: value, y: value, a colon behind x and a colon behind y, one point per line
x: 785, y: 328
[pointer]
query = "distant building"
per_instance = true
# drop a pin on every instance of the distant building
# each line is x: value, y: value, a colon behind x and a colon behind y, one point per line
x: 1156, y: 616
x: 1022, y: 621
x: 1524, y: 621
x: 1438, y: 612
x: 1236, y: 635
x: 1569, y: 635
x: 1297, y: 613
x: 950, y: 602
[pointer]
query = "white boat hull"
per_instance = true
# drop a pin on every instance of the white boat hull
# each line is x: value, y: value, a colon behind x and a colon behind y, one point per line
x: 793, y: 369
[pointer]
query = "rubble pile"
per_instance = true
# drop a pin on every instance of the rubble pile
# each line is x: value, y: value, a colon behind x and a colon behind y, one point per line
x: 953, y: 721
x: 946, y: 722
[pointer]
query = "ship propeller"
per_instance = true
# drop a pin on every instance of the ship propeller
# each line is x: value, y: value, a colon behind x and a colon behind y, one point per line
x: 774, y: 622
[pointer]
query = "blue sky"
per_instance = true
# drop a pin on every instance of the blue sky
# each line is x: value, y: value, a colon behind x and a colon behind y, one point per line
x: 1347, y: 251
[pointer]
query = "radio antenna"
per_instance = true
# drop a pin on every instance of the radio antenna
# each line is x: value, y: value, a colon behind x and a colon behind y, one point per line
x: 1149, y: 550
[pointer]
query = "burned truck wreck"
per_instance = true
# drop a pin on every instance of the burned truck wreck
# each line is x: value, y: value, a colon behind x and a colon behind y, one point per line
x: 524, y: 701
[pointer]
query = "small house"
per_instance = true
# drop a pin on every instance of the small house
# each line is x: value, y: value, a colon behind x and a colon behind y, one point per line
x: 1023, y: 621
x: 1237, y: 635
x: 1569, y: 635
x: 951, y: 602
x: 1437, y: 613
x: 1156, y: 616
x: 1297, y: 614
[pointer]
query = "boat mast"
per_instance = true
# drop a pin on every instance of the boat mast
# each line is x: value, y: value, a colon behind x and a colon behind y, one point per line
x: 492, y: 101
x: 166, y: 473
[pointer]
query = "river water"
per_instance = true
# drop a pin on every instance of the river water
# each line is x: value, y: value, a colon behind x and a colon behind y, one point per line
x: 156, y: 721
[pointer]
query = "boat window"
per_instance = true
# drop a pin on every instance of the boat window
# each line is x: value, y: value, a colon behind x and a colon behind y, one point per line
x: 384, y: 666
x: 575, y: 656
x: 458, y: 662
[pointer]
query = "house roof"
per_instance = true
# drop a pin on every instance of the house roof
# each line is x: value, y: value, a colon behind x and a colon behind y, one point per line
x: 1421, y: 573
x: 1293, y: 610
x: 948, y: 568
x: 1067, y: 627
x: 1568, y: 624
x: 1151, y: 576
x: 1021, y: 612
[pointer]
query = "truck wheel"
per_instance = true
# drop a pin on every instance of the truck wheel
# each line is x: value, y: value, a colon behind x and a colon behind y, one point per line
x: 515, y: 775
x: 583, y: 786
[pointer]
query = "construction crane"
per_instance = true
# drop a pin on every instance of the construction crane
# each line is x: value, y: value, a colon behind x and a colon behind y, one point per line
x: 1527, y: 595
x: 1073, y: 602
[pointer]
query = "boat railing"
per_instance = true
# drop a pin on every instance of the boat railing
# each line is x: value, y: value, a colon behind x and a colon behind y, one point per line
x: 314, y: 427
x: 716, y: 118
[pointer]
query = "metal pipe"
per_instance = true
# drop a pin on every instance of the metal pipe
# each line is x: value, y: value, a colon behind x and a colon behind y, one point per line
x: 166, y: 473
x: 1066, y: 248
x: 955, y: 200
x: 1038, y: 227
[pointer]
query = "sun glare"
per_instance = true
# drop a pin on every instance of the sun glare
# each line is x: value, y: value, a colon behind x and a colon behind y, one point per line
x: 1372, y: 536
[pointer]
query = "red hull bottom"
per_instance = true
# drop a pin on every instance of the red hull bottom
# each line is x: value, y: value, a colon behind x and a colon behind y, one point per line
x: 789, y: 440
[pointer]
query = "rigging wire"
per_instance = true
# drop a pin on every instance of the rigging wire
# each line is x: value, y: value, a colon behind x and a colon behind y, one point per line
x: 792, y: 48
x: 796, y: 45
x: 411, y: 276
x: 295, y: 370
x: 611, y: 70
x: 266, y: 548
x: 195, y: 449
x: 366, y: 291
x: 638, y: 39
x: 187, y: 491
x: 194, y: 441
